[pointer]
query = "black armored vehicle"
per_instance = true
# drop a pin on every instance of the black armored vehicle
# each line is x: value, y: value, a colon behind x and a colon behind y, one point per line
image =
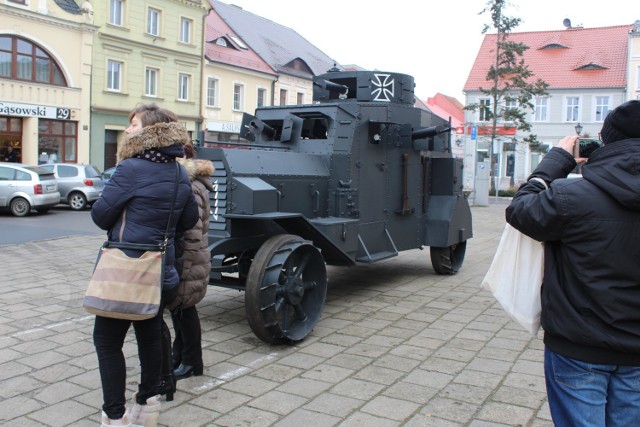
x: 356, y: 177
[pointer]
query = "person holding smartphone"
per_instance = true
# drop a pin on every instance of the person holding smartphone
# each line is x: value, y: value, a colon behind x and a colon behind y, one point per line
x: 591, y: 287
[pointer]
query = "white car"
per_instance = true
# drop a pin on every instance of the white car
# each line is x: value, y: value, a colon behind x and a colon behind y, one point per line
x: 24, y: 187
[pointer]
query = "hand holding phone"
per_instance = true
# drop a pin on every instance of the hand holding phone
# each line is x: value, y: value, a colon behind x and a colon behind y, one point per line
x: 585, y: 146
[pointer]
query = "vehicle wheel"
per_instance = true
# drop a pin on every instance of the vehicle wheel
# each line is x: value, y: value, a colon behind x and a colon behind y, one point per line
x: 285, y: 289
x: 20, y: 207
x: 77, y: 201
x: 448, y: 260
x: 42, y: 210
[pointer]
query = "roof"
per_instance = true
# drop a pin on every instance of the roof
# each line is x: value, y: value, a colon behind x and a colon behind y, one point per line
x: 569, y: 58
x: 277, y: 45
x: 236, y: 52
x: 444, y: 107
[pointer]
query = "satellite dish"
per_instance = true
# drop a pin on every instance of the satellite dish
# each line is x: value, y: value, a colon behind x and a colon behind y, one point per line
x: 566, y: 22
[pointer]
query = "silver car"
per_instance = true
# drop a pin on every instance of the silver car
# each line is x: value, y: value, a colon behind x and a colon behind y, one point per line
x: 25, y: 187
x: 79, y: 185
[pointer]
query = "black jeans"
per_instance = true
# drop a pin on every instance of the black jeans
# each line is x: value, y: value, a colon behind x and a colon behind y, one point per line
x: 187, y: 345
x: 108, y: 338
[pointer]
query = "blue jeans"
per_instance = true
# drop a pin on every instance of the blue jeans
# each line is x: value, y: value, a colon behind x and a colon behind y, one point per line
x: 586, y: 395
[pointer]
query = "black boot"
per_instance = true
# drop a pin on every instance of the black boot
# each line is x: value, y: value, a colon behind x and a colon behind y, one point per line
x: 167, y: 386
x: 168, y: 379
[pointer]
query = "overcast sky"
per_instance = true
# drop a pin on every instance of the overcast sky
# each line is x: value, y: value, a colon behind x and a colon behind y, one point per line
x: 435, y: 41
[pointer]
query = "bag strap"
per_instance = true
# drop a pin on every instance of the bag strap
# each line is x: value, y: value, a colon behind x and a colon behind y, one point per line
x: 173, y: 202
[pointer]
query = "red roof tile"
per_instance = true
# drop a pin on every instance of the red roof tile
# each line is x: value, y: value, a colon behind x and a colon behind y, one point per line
x: 558, y: 56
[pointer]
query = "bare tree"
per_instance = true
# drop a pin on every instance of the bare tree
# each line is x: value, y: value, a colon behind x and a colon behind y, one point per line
x: 512, y: 85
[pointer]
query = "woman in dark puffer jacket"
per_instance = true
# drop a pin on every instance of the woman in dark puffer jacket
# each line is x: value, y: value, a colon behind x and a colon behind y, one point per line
x: 194, y: 264
x: 134, y: 207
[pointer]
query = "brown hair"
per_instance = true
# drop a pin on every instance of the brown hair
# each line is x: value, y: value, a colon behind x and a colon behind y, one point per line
x: 150, y: 114
x: 189, y: 151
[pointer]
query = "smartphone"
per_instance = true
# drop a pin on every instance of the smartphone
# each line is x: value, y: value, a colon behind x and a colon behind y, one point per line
x: 585, y: 146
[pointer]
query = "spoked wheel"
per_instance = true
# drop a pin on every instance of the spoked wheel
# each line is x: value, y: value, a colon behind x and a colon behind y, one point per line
x: 448, y: 260
x: 285, y: 289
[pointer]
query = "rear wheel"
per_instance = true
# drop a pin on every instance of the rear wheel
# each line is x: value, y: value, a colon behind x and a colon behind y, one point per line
x: 285, y: 289
x: 448, y: 260
x: 77, y: 201
x: 20, y: 207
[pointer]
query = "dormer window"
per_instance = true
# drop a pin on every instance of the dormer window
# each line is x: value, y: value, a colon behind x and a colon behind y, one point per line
x: 238, y: 42
x: 220, y: 41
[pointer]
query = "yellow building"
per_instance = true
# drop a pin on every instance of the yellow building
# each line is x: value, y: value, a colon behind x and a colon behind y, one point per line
x: 144, y: 51
x: 45, y: 81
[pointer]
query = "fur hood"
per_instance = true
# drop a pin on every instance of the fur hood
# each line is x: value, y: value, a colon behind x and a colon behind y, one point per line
x: 159, y: 135
x: 198, y: 169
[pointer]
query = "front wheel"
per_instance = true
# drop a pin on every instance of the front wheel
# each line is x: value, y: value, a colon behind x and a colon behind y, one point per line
x: 286, y: 288
x: 77, y: 201
x: 448, y: 260
x: 20, y: 207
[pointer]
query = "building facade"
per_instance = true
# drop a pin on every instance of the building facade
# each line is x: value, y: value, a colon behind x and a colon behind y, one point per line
x: 586, y: 70
x: 236, y: 80
x: 633, y: 87
x: 45, y: 81
x: 144, y: 52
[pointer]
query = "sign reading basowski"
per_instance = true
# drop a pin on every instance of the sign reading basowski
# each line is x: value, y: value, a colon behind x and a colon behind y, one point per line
x: 29, y: 110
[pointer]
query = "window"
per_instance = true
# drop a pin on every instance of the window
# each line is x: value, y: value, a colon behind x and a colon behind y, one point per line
x: 283, y: 97
x: 238, y: 96
x: 638, y: 78
x: 151, y: 82
x: 300, y: 98
x: 183, y: 87
x: 262, y: 95
x: 153, y: 21
x: 572, y: 109
x: 114, y: 75
x: 116, y: 12
x: 602, y: 108
x: 484, y: 114
x: 212, y: 92
x: 24, y: 2
x: 185, y: 30
x: 58, y: 139
x: 541, y: 110
x: 221, y: 42
x: 22, y: 60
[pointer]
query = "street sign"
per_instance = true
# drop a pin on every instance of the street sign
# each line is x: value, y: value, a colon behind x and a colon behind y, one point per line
x: 474, y: 132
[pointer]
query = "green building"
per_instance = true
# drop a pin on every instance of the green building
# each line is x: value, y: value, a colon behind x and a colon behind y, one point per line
x: 144, y: 52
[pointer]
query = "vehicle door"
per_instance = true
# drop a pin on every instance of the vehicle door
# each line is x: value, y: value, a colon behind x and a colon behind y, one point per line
x: 7, y: 184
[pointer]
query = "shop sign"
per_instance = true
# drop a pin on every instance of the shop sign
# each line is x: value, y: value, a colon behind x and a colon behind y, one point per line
x: 30, y: 110
x: 227, y: 127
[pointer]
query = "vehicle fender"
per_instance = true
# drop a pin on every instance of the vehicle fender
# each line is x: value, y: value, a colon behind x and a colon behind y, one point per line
x: 448, y: 221
x: 23, y: 195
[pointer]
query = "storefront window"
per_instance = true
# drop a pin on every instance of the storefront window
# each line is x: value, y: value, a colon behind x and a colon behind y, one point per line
x: 11, y: 136
x: 57, y: 141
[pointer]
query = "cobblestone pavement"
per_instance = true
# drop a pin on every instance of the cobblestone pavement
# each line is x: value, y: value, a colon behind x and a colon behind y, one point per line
x: 397, y: 345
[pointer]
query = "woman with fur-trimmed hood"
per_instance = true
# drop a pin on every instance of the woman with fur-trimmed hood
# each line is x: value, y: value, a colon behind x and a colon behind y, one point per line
x: 193, y: 261
x: 135, y: 207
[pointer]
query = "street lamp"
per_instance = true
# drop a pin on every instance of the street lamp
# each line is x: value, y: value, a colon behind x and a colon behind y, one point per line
x: 578, y: 128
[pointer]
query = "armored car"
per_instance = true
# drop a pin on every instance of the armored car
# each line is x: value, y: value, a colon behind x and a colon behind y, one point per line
x: 356, y: 177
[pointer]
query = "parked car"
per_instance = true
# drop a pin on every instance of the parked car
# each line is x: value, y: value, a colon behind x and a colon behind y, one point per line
x: 24, y: 187
x: 79, y: 185
x: 107, y: 174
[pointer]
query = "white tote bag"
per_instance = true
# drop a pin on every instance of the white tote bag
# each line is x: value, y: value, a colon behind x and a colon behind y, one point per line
x: 515, y: 277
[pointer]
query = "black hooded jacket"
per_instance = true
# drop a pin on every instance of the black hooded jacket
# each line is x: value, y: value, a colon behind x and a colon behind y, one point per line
x: 591, y: 230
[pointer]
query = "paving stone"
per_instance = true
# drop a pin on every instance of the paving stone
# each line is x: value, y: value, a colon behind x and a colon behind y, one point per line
x: 409, y: 348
